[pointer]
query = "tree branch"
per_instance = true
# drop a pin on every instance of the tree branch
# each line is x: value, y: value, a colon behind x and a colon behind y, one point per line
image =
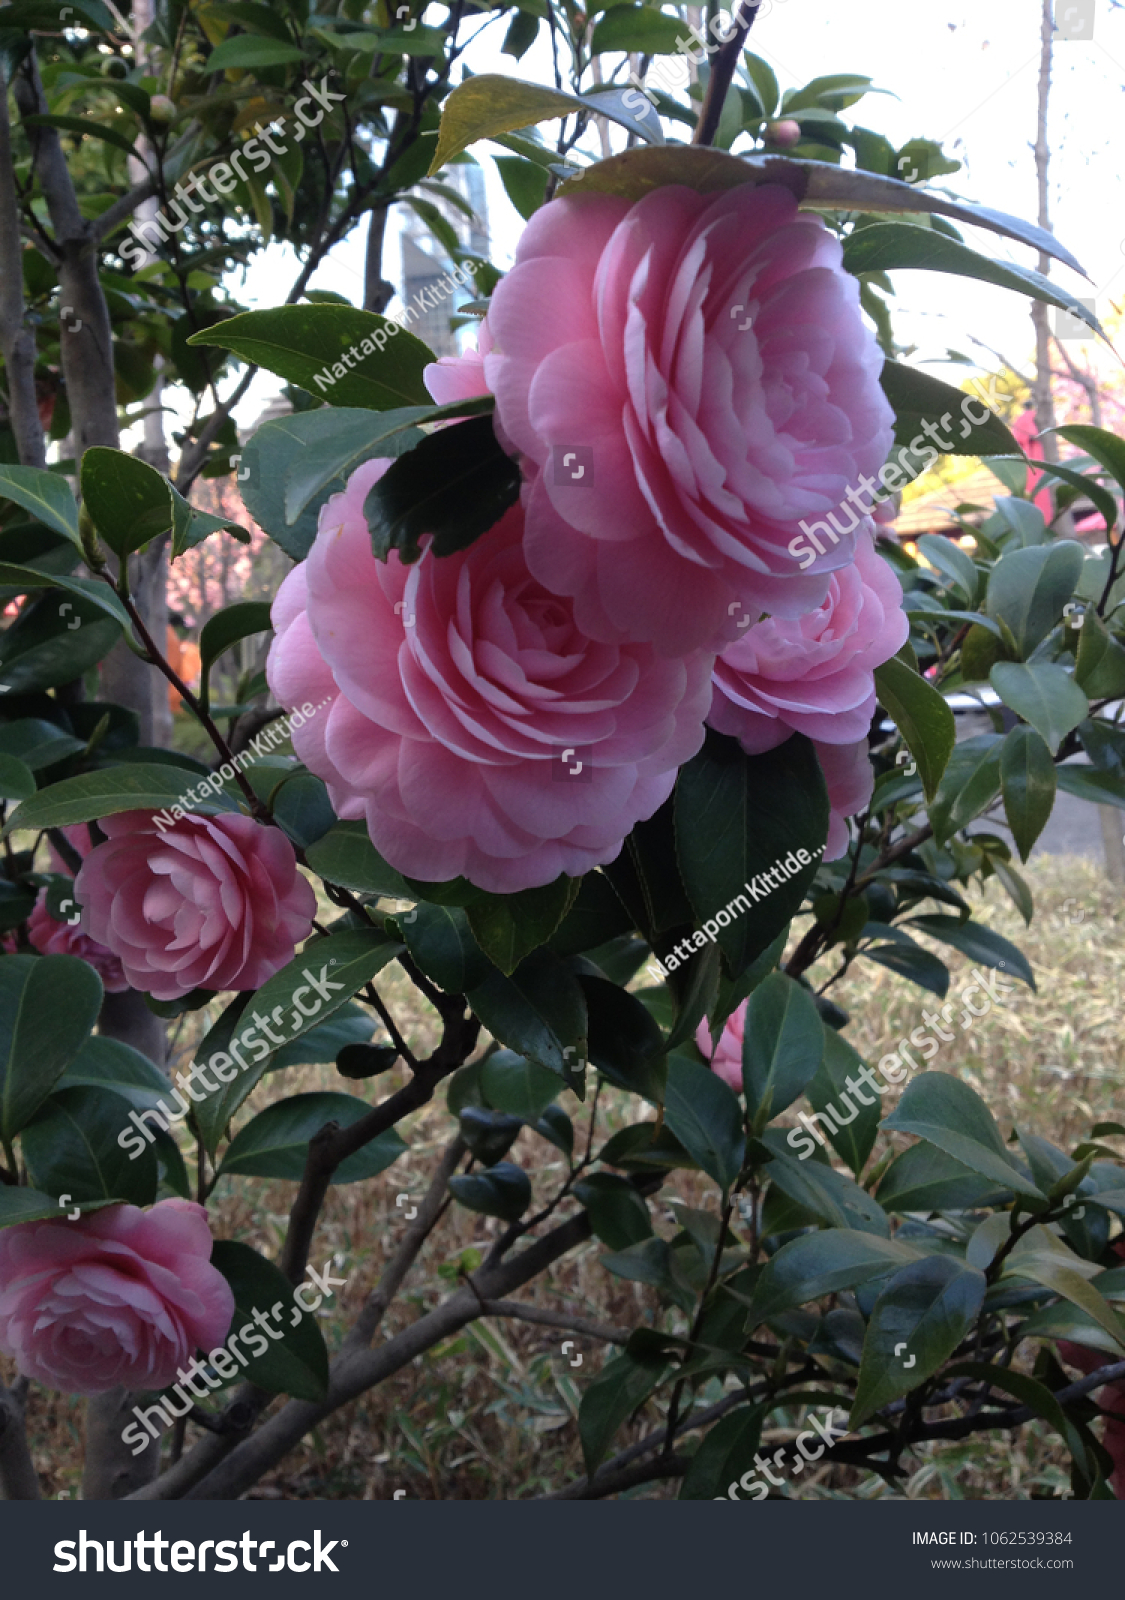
x: 556, y: 1319
x: 18, y: 1478
x: 722, y: 71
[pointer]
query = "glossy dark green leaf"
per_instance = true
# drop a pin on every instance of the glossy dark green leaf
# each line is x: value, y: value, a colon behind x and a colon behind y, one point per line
x: 129, y: 501
x: 970, y: 783
x: 610, y: 1399
x: 738, y: 818
x: 539, y: 1012
x: 919, y: 398
x: 1043, y: 694
x: 1100, y: 667
x: 520, y: 1087
x: 703, y: 1113
x: 816, y: 1264
x: 48, y: 1005
x: 72, y: 1147
x: 104, y: 1063
x: 825, y: 1193
x: 852, y: 1140
x: 924, y: 1178
x: 46, y: 495
x: 508, y: 927
x: 28, y: 1205
x: 910, y: 961
x: 1027, y: 589
x: 919, y: 1320
x: 1028, y: 784
x: 275, y: 1143
x: 782, y: 1047
x: 503, y: 1191
x: 441, y: 941
x: 979, y: 943
x: 295, y: 1360
x: 225, y: 628
x: 921, y: 715
x: 640, y: 28
x: 950, y: 1115
x: 305, y: 342
x: 623, y: 1041
x: 328, y: 972
x: 725, y: 1455
x: 244, y: 50
x: 618, y: 1214
x: 452, y: 487
x: 346, y: 856
x: 91, y: 795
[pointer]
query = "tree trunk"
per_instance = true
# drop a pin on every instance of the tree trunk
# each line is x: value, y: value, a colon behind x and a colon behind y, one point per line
x: 111, y: 1470
x: 17, y: 341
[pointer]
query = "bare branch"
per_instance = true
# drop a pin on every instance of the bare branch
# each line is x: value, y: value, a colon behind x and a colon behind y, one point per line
x: 18, y: 1478
x: 556, y: 1319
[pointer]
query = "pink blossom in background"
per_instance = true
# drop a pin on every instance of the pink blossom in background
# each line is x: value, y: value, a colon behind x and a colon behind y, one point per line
x: 460, y: 685
x: 119, y: 1296
x: 726, y: 1056
x: 55, y: 938
x: 814, y: 675
x: 709, y: 356
x: 209, y: 902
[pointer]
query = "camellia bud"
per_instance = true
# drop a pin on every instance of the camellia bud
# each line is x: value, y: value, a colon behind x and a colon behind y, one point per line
x: 161, y: 109
x: 785, y: 134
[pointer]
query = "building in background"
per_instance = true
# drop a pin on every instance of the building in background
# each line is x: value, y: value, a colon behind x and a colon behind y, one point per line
x: 426, y: 264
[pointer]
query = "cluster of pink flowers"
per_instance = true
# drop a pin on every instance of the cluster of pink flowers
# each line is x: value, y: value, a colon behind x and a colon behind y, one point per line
x: 684, y: 380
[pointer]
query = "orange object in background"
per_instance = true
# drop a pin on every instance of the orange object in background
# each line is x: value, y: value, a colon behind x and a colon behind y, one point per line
x: 184, y: 659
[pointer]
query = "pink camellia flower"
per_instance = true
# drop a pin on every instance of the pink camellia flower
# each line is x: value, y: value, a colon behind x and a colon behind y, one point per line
x: 452, y: 378
x: 726, y: 1056
x: 209, y: 902
x: 814, y: 675
x: 849, y: 779
x: 119, y: 1296
x: 66, y: 938
x: 688, y: 378
x: 475, y: 726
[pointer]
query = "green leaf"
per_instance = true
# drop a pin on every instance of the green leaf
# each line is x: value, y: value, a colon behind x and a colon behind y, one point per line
x: 525, y: 183
x: 970, y: 782
x: 296, y: 1363
x: 244, y: 50
x: 326, y: 446
x: 346, y: 856
x: 637, y: 28
x: 1028, y: 784
x: 92, y: 795
x: 213, y: 1113
x: 83, y: 126
x: 816, y: 1264
x: 924, y: 1178
x: 28, y: 1205
x: 520, y: 1087
x: 1044, y: 695
x: 953, y: 562
x: 71, y: 1146
x: 891, y: 246
x: 979, y: 943
x: 853, y: 1140
x: 595, y: 917
x: 493, y: 103
x: 539, y: 1012
x: 109, y: 1064
x: 26, y: 580
x: 738, y: 817
x: 921, y: 715
x: 928, y: 1306
x: 509, y: 927
x: 330, y: 969
x: 46, y: 647
x: 441, y: 941
x: 503, y: 1191
x: 351, y: 1024
x: 302, y: 343
x: 1099, y: 788
x: 48, y: 1005
x: 618, y: 1214
x: 129, y: 501
x: 824, y: 1193
x: 1053, y: 1273
x: 610, y: 1399
x: 275, y: 1143
x: 952, y: 1116
x: 17, y: 782
x: 227, y: 627
x: 191, y: 526
x: 725, y: 1455
x: 704, y: 1115
x: 453, y: 486
x: 1100, y: 667
x: 1028, y: 588
x: 1105, y: 447
x: 782, y: 1047
x: 624, y: 1042
x: 918, y: 398
x: 46, y: 495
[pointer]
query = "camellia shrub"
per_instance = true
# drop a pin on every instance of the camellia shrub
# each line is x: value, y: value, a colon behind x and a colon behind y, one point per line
x: 615, y: 707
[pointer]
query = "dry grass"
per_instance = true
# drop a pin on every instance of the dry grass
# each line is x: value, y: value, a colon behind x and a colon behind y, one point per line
x: 490, y: 1414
